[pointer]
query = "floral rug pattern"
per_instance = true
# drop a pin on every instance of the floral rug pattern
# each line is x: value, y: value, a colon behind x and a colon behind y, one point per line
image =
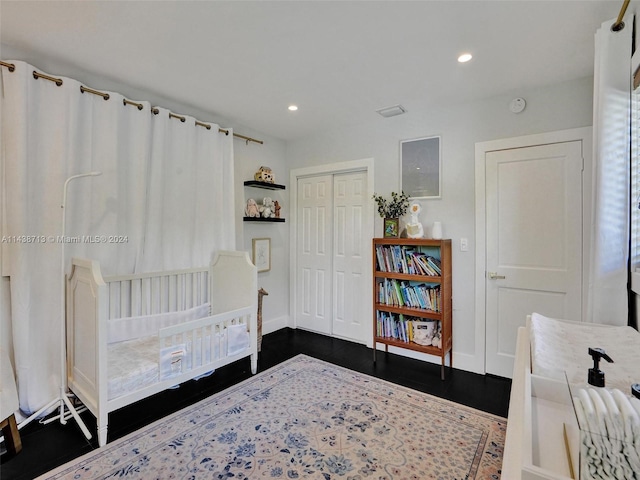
x: 306, y: 418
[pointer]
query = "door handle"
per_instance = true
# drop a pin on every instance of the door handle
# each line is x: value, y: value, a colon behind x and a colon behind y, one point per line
x: 495, y: 276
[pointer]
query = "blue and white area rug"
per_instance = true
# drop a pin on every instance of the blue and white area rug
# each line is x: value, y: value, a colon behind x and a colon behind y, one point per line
x: 306, y: 418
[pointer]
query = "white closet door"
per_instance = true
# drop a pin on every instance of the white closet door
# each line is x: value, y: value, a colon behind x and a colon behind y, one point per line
x: 350, y: 254
x: 314, y: 253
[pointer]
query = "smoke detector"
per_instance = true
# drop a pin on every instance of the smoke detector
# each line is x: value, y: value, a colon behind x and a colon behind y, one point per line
x: 517, y: 105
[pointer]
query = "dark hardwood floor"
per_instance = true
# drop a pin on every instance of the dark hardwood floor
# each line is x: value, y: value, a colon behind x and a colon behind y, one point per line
x: 48, y: 446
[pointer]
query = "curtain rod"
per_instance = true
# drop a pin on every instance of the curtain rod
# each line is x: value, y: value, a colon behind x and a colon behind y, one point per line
x: 10, y: 66
x: 619, y: 24
x: 106, y: 96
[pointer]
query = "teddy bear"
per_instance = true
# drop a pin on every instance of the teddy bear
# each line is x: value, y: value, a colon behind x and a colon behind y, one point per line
x: 252, y: 209
x: 276, y: 208
x: 268, y: 208
x: 264, y: 174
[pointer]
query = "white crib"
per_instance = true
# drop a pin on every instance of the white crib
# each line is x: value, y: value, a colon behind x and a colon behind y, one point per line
x: 131, y: 336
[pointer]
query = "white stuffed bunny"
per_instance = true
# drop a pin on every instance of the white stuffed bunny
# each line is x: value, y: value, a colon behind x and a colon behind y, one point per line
x: 252, y: 209
x: 269, y: 208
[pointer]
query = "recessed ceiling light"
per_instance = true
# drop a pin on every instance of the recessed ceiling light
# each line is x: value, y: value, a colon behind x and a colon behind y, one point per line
x: 465, y: 57
x: 293, y: 108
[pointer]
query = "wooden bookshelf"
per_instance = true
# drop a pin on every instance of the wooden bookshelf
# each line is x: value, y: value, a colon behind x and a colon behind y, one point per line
x: 409, y: 289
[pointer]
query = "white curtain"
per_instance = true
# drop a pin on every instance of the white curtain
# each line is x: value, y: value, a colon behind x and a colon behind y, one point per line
x: 50, y: 133
x: 190, y: 194
x: 607, y: 297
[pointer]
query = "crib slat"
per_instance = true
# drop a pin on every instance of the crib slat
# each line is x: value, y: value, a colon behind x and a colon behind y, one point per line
x: 193, y: 289
x: 164, y: 289
x: 180, y: 293
x: 144, y: 296
x: 194, y: 347
x: 173, y: 293
x: 125, y: 300
x: 136, y: 296
x: 185, y: 292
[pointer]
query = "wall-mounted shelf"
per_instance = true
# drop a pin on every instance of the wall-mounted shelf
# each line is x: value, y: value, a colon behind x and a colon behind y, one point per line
x: 268, y: 186
x: 260, y: 219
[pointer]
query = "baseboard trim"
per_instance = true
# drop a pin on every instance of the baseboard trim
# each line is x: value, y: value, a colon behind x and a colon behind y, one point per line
x: 469, y: 363
x: 273, y: 324
x: 461, y: 361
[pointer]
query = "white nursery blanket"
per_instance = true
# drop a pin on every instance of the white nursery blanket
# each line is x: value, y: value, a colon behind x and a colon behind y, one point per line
x: 559, y: 346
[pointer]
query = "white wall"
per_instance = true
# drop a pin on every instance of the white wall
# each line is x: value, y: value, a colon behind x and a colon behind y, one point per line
x: 557, y: 107
x: 249, y: 158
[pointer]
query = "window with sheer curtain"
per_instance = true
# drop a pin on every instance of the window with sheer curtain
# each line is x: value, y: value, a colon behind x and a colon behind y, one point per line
x: 635, y: 175
x: 607, y: 295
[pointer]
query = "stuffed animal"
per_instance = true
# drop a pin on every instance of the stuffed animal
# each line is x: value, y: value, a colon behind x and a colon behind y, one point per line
x: 276, y: 208
x: 261, y: 293
x: 252, y: 209
x: 437, y: 340
x: 264, y: 174
x: 268, y: 208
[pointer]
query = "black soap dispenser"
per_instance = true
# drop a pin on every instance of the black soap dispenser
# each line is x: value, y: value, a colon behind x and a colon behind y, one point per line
x: 596, y: 376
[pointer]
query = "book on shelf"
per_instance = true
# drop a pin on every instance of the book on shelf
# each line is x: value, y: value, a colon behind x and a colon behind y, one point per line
x: 405, y: 259
x: 435, y: 264
x: 401, y: 293
x: 406, y: 328
x: 393, y: 326
x: 382, y: 264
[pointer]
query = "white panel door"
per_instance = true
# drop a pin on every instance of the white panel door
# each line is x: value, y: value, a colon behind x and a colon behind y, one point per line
x: 314, y: 253
x: 350, y: 254
x: 534, y: 242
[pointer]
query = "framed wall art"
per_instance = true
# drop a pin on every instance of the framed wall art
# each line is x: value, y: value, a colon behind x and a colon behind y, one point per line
x: 391, y: 228
x: 262, y: 254
x: 420, y: 167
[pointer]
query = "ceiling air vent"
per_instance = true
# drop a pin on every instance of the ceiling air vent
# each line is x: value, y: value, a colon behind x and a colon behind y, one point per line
x: 391, y: 111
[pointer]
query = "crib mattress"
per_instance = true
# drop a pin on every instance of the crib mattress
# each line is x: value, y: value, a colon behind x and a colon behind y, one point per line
x: 138, y: 363
x: 559, y: 350
x: 132, y: 365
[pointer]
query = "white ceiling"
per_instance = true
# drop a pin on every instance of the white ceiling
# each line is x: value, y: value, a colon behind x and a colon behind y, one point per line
x: 339, y: 61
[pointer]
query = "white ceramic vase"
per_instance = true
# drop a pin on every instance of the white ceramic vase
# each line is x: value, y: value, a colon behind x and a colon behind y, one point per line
x: 436, y: 231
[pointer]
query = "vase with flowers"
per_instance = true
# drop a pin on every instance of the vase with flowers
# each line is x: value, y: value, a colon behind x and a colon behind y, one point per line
x: 391, y: 211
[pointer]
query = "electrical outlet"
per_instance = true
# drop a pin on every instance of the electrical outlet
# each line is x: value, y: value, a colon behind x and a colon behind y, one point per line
x: 464, y: 244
